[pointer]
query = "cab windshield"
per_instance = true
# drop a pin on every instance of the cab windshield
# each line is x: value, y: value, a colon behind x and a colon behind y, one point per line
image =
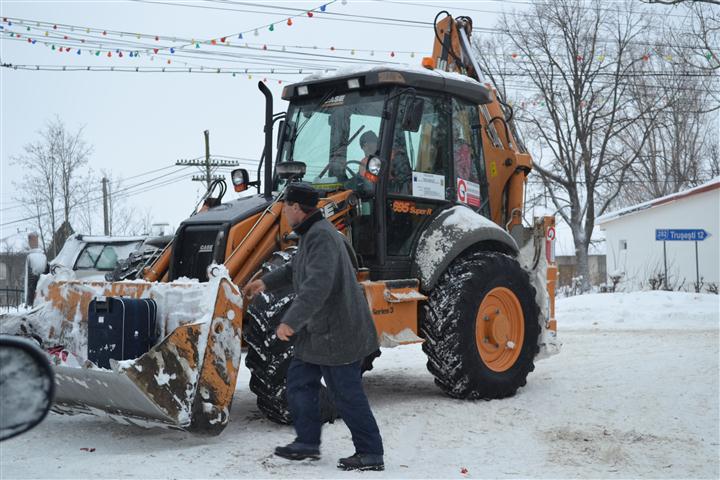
x: 334, y: 135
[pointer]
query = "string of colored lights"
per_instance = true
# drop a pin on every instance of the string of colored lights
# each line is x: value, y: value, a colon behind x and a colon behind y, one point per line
x: 68, y: 43
x: 59, y: 36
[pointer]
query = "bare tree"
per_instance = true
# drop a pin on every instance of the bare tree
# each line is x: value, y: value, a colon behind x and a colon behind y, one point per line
x: 578, y: 61
x: 130, y: 221
x: 72, y: 154
x: 88, y: 213
x: 678, y: 2
x: 679, y: 143
x: 124, y: 219
x: 695, y: 42
x: 38, y: 191
x: 49, y: 189
x: 682, y: 140
x: 713, y: 164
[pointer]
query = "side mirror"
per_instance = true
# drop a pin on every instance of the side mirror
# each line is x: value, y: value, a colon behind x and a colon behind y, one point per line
x: 413, y: 115
x: 27, y: 386
x: 287, y: 170
x: 240, y: 179
x: 281, y: 133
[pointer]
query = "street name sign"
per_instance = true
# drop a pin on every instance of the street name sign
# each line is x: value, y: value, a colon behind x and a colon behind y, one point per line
x: 691, y: 235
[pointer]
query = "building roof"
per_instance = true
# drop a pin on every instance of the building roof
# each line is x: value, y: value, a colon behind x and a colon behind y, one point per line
x: 713, y: 184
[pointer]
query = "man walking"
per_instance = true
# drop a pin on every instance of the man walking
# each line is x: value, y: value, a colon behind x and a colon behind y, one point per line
x: 334, y: 332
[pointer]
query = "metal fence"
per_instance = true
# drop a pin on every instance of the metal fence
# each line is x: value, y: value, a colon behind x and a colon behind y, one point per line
x: 11, y: 298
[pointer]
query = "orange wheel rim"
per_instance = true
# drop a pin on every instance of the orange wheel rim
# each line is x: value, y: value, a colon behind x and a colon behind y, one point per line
x: 500, y: 329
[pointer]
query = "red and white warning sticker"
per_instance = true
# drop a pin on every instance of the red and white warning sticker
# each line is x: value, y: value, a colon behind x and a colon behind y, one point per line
x: 468, y: 192
x: 551, y: 233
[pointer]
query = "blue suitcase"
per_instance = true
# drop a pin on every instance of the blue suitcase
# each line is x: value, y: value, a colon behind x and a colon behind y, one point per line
x: 120, y: 328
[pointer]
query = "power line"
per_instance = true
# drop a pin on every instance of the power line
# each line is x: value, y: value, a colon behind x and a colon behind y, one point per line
x: 395, y: 22
x: 123, y: 192
x: 116, y: 182
x: 505, y: 2
x: 146, y: 173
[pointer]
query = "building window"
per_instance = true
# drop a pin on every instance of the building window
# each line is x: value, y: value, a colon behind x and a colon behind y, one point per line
x: 623, y: 244
x: 3, y: 271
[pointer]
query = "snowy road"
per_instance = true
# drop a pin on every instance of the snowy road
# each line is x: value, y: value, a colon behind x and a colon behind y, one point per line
x: 624, y: 399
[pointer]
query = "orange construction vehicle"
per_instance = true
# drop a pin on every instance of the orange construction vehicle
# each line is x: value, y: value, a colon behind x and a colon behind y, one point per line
x: 421, y: 170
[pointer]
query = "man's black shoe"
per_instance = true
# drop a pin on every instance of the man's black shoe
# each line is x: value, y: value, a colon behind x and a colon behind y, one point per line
x: 362, y: 461
x: 298, y: 451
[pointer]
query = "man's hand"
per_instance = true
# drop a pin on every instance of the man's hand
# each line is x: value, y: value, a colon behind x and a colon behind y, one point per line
x: 284, y: 332
x: 253, y: 288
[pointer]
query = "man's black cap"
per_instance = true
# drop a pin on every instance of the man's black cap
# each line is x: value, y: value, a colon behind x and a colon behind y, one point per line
x: 302, y: 193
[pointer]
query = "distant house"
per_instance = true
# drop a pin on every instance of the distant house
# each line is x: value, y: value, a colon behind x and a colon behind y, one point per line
x: 13, y: 251
x: 645, y: 240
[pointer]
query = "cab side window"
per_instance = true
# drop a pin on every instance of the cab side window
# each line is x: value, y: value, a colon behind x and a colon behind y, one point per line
x: 423, y: 152
x: 468, y: 162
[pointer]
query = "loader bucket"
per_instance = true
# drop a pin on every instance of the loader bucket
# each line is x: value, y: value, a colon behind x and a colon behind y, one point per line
x: 186, y: 381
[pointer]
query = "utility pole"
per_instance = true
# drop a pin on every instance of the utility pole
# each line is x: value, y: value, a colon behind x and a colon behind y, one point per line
x: 206, y: 166
x: 208, y: 178
x: 106, y: 224
x: 111, y: 210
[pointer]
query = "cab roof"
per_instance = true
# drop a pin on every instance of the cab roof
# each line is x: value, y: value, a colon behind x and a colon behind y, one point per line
x: 382, y: 75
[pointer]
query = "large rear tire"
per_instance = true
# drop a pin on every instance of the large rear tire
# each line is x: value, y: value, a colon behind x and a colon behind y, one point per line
x: 481, y: 327
x: 268, y: 358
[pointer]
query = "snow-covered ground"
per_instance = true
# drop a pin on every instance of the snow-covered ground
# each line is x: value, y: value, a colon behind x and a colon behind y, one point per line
x: 633, y: 394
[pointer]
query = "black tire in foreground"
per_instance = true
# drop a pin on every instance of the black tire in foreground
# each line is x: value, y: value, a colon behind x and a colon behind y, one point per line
x: 481, y: 327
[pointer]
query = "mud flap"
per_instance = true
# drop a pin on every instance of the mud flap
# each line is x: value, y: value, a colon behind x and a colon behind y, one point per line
x: 537, y: 257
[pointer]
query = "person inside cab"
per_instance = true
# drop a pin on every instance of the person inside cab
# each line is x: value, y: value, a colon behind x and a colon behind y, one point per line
x: 369, y: 145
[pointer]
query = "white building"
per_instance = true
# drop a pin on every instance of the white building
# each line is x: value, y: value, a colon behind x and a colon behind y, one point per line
x: 636, y: 249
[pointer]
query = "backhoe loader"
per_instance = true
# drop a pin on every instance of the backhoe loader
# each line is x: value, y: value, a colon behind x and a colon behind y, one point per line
x: 420, y: 169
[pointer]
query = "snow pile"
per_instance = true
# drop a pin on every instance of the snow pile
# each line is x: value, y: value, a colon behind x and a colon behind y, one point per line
x: 181, y: 302
x: 36, y: 261
x: 658, y: 310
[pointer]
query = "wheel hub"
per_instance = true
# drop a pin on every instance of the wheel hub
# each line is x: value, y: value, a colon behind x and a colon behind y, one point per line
x: 499, y: 329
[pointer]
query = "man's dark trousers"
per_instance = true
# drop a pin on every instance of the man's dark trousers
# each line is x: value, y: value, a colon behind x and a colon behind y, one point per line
x: 344, y: 383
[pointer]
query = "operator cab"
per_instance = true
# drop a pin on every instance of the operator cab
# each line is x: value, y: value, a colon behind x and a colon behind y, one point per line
x: 406, y: 141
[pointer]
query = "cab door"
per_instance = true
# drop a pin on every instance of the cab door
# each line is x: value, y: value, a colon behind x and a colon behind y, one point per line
x: 418, y: 179
x: 470, y: 179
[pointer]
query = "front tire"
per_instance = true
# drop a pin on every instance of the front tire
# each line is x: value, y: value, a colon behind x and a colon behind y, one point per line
x: 481, y: 327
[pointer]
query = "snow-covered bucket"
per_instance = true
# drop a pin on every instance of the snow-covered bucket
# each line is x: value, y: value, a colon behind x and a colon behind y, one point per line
x: 185, y: 381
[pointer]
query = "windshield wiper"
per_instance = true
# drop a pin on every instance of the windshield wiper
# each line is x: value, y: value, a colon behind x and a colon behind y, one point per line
x: 348, y: 142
